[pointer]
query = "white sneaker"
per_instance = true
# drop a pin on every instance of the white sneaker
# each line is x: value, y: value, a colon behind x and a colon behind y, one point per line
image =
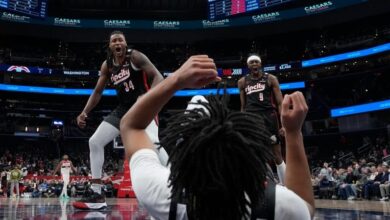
x: 382, y: 199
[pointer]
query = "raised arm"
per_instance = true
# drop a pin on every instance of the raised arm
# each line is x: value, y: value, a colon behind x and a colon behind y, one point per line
x: 95, y: 96
x: 294, y: 109
x: 196, y: 72
x: 141, y: 61
x: 241, y: 88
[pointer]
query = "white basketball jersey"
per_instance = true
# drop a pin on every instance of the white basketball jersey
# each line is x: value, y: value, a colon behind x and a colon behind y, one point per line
x: 65, y: 167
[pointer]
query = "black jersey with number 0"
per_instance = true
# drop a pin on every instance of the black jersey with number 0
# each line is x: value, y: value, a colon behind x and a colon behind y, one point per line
x: 259, y: 95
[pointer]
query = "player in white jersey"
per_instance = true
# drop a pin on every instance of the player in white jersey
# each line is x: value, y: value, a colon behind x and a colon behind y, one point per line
x: 65, y: 165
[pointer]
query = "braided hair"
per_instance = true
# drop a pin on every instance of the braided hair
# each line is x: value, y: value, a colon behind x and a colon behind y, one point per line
x: 218, y: 160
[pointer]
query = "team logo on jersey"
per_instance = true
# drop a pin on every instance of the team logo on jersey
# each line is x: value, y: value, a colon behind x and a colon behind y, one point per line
x: 66, y: 164
x: 256, y: 88
x: 121, y: 76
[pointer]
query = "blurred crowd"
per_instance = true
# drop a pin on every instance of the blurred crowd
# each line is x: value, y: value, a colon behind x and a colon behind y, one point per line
x: 355, y: 175
x: 32, y: 170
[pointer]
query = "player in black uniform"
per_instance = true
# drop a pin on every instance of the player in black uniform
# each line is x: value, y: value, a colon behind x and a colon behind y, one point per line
x: 129, y: 71
x: 260, y: 94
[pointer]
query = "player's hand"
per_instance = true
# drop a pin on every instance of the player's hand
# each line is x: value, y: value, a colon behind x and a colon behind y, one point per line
x: 81, y: 120
x: 294, y: 110
x: 197, y: 71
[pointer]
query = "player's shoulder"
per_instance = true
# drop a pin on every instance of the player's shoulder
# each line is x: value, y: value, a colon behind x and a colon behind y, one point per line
x: 135, y: 54
x: 289, y: 204
x: 241, y: 81
x: 271, y: 76
x: 104, y: 68
x: 137, y: 57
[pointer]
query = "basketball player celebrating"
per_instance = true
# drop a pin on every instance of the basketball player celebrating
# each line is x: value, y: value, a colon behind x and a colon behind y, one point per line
x: 217, y: 156
x: 65, y: 165
x: 260, y: 94
x: 129, y: 71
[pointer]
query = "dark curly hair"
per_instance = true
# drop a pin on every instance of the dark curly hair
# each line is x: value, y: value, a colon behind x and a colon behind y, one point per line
x: 218, y: 160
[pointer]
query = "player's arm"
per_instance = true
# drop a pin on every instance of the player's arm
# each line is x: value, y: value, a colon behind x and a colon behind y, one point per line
x: 241, y: 88
x: 196, y: 72
x: 95, y: 96
x: 276, y: 91
x: 73, y: 168
x: 57, y: 168
x: 141, y: 61
x: 294, y: 110
x: 278, y: 97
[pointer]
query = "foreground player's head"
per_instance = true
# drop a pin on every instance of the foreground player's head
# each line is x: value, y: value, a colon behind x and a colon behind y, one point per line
x: 218, y: 160
x: 117, y: 46
x: 65, y: 157
x: 254, y: 63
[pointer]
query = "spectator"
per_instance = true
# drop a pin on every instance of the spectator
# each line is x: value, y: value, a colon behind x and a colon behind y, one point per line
x: 385, y: 183
x: 16, y: 176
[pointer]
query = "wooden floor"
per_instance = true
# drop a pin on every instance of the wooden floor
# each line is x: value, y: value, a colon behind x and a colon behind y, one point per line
x: 53, y: 208
x: 342, y: 209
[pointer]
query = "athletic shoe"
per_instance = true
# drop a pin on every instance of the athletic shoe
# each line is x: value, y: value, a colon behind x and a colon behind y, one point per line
x: 91, y: 200
x: 88, y: 215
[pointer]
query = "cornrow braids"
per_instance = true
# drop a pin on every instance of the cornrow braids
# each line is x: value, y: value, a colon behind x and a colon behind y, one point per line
x: 218, y: 160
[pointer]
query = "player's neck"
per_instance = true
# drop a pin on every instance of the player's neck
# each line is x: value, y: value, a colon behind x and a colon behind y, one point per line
x: 256, y: 74
x: 119, y: 60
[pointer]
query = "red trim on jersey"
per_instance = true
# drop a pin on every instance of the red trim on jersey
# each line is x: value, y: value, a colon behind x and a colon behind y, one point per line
x: 145, y: 81
x: 147, y: 88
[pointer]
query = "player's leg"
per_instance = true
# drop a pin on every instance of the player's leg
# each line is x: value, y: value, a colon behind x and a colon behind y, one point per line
x: 105, y: 133
x: 12, y: 194
x: 64, y: 192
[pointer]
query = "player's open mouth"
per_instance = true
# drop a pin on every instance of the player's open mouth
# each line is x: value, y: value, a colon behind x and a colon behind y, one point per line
x: 118, y: 50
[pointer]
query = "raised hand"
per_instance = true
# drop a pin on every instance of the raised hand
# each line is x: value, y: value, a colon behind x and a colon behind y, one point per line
x: 294, y: 110
x: 197, y: 71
